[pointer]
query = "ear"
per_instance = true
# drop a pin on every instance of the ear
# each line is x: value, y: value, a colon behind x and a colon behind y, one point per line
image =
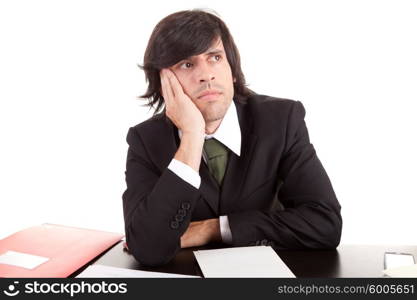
x: 234, y: 79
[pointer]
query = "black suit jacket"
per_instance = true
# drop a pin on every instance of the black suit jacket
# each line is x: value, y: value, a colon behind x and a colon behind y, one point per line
x: 277, y: 161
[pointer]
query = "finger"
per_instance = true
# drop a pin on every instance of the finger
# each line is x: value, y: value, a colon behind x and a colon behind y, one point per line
x: 175, y: 84
x: 166, y: 88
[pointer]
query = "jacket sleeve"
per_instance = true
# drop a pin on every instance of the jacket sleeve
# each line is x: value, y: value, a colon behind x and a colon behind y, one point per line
x: 157, y: 206
x: 311, y: 216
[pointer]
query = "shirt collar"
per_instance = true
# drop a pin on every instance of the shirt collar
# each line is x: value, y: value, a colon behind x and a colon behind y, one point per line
x: 228, y: 132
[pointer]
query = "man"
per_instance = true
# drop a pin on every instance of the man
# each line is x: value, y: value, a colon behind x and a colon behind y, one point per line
x: 212, y: 165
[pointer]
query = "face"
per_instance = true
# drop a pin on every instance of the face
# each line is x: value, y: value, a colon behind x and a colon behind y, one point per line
x: 207, y: 79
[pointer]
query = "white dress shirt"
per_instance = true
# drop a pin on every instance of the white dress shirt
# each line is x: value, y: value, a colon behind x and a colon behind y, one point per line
x: 229, y: 134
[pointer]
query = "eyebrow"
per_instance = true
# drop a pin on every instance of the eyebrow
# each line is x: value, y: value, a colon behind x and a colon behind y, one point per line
x: 209, y: 52
x: 213, y: 51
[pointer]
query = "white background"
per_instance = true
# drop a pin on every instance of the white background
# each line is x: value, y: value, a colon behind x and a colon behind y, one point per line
x: 69, y: 81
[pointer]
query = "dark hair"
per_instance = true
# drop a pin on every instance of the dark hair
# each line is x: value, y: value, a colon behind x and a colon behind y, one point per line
x: 181, y: 35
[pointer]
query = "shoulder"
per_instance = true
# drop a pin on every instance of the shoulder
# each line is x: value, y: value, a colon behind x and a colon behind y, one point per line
x: 157, y: 125
x: 269, y: 110
x: 272, y: 105
x: 274, y: 120
x: 154, y: 124
x: 154, y: 121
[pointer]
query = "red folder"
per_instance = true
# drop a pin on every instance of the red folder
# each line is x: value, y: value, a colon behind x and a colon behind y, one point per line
x: 68, y: 249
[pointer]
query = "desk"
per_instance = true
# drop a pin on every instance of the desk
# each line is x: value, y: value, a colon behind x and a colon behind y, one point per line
x: 345, y: 261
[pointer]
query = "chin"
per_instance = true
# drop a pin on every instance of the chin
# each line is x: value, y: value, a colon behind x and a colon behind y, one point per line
x: 213, y: 116
x: 214, y: 111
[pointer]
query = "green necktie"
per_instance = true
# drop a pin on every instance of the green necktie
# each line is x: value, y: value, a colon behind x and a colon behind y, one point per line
x: 216, y: 154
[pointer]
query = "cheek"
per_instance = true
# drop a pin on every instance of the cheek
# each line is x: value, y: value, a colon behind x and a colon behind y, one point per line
x: 226, y: 72
x: 187, y: 88
x: 228, y: 79
x: 184, y: 82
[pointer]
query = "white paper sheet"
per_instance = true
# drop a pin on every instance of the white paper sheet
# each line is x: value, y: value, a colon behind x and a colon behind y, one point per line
x: 100, y: 271
x: 394, y: 260
x: 405, y: 271
x: 23, y: 260
x: 256, y: 261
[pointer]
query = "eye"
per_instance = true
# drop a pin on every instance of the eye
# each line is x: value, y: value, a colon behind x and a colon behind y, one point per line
x: 186, y: 65
x: 216, y: 57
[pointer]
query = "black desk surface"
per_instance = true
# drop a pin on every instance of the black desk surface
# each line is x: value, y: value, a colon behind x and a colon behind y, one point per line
x: 345, y: 261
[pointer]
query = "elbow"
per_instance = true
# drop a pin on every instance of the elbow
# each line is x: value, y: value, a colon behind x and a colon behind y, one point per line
x: 334, y: 239
x: 150, y: 258
x: 153, y: 251
x: 326, y: 231
x: 333, y: 234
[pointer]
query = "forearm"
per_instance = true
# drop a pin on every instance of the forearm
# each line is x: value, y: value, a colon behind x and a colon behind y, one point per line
x: 200, y: 233
x: 190, y: 149
x: 310, y: 226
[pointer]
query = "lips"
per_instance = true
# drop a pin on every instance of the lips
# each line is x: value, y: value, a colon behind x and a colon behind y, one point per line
x: 209, y: 94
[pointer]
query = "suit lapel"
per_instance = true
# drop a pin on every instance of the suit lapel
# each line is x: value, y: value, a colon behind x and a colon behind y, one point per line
x: 237, y: 167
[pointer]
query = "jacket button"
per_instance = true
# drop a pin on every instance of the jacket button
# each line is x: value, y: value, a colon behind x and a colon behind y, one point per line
x: 182, y: 212
x: 186, y: 205
x: 175, y: 225
x: 179, y: 218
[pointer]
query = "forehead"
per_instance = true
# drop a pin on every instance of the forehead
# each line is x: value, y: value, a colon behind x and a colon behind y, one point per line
x: 217, y: 45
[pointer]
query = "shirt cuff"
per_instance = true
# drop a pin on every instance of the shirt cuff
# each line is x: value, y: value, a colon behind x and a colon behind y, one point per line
x: 225, y: 231
x: 185, y: 172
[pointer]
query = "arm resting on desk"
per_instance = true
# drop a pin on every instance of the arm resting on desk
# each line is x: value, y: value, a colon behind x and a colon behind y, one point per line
x: 311, y: 218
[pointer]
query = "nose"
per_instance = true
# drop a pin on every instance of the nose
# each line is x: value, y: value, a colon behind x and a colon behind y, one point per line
x: 205, y: 74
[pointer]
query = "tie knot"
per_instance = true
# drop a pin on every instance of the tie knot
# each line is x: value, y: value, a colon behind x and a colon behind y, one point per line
x: 214, y: 148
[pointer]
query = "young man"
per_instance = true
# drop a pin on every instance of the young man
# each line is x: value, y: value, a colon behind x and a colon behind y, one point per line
x: 212, y: 165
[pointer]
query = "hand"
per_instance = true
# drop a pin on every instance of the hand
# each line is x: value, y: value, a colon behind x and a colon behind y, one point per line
x: 179, y: 107
x: 200, y: 233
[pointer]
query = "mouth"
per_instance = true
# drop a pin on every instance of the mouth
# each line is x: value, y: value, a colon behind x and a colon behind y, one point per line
x: 209, y: 95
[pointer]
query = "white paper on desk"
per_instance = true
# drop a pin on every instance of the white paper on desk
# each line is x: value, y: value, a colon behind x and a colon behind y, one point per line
x: 404, y: 271
x: 254, y: 261
x: 100, y: 271
x: 24, y: 260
